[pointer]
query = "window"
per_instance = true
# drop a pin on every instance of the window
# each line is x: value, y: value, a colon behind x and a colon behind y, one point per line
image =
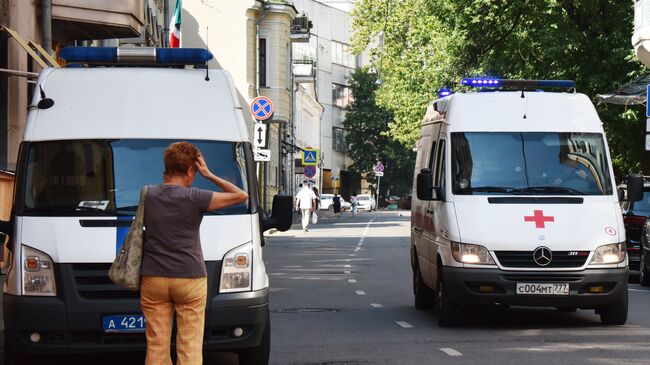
x: 339, y: 140
x: 341, y: 55
x: 440, y: 165
x: 304, y: 51
x: 341, y: 96
x: 262, y: 62
x: 104, y: 177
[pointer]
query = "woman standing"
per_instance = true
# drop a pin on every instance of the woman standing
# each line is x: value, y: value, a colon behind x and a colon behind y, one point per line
x: 174, y: 277
x: 337, y: 205
x: 354, y: 200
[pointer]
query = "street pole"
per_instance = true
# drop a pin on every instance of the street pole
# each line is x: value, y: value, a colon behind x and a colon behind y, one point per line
x: 377, y: 197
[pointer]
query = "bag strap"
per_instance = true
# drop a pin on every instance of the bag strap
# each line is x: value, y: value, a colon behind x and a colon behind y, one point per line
x: 139, y: 213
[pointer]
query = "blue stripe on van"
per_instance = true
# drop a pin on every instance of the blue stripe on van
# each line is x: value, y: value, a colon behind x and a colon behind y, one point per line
x: 121, y: 231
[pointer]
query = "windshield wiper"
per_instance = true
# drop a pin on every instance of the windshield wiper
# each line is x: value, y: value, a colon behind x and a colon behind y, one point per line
x: 494, y: 189
x: 550, y: 190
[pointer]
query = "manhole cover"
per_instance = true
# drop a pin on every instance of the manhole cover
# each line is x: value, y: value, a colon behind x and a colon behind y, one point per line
x: 307, y: 310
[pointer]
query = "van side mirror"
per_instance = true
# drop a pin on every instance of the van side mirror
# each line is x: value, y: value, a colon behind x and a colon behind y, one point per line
x: 635, y: 187
x: 281, y: 214
x: 621, y: 194
x: 424, y: 186
x: 5, y: 228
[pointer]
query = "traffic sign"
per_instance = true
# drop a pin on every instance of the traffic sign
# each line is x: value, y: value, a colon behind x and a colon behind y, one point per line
x: 262, y: 108
x: 260, y: 136
x: 262, y: 155
x: 310, y: 157
x: 379, y: 167
x: 310, y: 171
x: 379, y: 174
x: 647, y: 105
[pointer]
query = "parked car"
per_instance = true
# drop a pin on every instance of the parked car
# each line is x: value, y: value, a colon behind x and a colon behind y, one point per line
x: 367, y: 203
x: 635, y: 216
x: 327, y: 203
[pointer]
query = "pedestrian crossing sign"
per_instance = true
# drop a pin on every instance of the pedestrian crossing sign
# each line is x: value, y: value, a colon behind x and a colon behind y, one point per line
x: 310, y: 157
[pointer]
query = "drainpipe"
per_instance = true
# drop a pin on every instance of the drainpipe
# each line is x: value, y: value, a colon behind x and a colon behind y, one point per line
x: 264, y: 187
x: 46, y: 24
x: 166, y: 23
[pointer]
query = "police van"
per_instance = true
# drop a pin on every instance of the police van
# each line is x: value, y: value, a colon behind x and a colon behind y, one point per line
x: 94, y: 136
x: 515, y: 203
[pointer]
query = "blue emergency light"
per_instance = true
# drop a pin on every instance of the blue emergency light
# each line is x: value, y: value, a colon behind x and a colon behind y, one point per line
x: 136, y: 55
x: 444, y: 92
x: 490, y: 82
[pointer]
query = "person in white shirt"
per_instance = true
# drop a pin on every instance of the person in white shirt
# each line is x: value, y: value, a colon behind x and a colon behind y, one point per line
x: 306, y: 203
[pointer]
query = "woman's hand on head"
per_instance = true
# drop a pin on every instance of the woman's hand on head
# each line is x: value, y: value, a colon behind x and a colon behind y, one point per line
x: 202, y: 167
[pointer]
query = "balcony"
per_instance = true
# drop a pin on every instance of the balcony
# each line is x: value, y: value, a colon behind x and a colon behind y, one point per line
x: 300, y: 29
x: 304, y: 71
x: 96, y: 19
x: 641, y: 36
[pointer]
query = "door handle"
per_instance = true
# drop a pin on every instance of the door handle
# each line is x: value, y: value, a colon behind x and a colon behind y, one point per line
x: 417, y: 229
x: 429, y: 211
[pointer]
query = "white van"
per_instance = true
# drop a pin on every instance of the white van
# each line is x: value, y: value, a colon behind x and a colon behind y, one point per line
x: 515, y: 204
x: 94, y: 137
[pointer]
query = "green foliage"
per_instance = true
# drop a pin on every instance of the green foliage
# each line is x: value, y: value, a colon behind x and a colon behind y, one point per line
x: 366, y: 125
x: 420, y: 46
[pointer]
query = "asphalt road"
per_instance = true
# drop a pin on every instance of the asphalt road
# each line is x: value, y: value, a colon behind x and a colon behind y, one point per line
x: 341, y: 295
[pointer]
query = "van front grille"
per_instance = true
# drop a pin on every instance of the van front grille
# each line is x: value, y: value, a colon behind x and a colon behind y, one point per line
x: 524, y: 259
x: 92, y: 282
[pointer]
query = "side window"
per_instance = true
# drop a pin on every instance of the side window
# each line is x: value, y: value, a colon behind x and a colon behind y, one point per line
x: 432, y: 158
x: 439, y: 177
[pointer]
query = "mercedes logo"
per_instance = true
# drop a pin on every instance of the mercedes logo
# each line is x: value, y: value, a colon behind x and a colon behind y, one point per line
x: 542, y: 256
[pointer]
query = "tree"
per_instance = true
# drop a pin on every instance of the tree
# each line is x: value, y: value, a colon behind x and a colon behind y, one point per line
x: 366, y: 125
x: 420, y: 46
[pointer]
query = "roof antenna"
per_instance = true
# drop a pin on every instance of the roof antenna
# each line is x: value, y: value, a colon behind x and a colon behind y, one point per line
x: 207, y: 41
x: 45, y: 102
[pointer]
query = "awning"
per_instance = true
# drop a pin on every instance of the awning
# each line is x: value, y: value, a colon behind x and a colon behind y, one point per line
x: 632, y: 93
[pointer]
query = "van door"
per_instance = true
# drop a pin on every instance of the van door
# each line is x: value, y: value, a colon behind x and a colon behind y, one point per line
x: 437, y: 212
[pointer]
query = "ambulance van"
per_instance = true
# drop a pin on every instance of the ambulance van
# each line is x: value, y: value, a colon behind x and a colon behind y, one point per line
x: 94, y: 136
x: 515, y: 204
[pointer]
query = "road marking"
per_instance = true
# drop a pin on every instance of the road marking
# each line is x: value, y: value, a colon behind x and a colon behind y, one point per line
x: 404, y: 324
x: 293, y: 266
x: 357, y: 249
x: 347, y: 266
x: 347, y: 272
x: 352, y: 255
x: 360, y: 292
x: 351, y: 281
x: 376, y: 305
x: 450, y: 352
x: 643, y: 291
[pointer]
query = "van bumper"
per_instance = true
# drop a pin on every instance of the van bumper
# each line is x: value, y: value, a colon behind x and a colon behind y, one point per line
x: 78, y: 329
x: 467, y: 286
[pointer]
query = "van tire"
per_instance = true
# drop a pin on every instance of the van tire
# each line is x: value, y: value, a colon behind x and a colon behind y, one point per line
x: 644, y: 275
x: 258, y: 355
x: 615, y: 314
x: 449, y: 313
x: 423, y: 295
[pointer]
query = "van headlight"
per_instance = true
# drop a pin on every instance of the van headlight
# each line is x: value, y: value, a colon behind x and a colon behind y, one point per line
x: 38, y: 273
x: 471, y: 254
x: 236, y: 269
x: 609, y: 254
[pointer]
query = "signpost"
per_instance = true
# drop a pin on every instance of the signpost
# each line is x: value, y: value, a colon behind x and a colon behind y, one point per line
x: 379, y: 172
x: 262, y: 155
x: 260, y: 135
x: 310, y: 157
x: 262, y: 108
x: 310, y: 171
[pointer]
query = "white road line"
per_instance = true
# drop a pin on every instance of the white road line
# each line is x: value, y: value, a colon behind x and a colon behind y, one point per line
x: 450, y: 352
x: 352, y: 281
x: 357, y: 249
x: 360, y: 292
x: 347, y: 265
x: 347, y: 272
x: 352, y: 255
x: 404, y: 324
x: 643, y: 291
x: 376, y: 305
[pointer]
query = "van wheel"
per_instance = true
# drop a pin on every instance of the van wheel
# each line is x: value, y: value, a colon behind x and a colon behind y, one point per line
x: 615, y: 314
x: 644, y: 275
x: 258, y: 355
x: 449, y: 313
x: 424, y: 296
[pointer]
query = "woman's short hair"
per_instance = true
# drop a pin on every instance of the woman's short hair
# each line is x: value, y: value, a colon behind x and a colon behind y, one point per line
x: 179, y: 157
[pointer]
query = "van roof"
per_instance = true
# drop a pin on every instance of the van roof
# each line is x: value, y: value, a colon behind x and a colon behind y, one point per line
x: 508, y: 111
x: 156, y: 103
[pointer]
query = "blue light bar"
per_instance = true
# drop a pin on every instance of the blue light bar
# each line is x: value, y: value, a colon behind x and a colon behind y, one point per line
x: 135, y: 55
x: 527, y: 84
x: 444, y: 92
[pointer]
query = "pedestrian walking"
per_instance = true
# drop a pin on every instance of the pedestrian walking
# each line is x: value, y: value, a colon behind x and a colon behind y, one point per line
x: 354, y: 201
x: 173, y: 273
x: 306, y: 203
x: 336, y: 202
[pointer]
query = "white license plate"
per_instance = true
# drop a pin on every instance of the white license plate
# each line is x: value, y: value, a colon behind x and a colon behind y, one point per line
x: 542, y: 289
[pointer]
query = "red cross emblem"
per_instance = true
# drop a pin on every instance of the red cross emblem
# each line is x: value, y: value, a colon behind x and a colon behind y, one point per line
x: 539, y: 218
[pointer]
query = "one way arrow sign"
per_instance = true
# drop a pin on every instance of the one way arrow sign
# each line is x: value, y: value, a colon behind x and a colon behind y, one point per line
x: 260, y: 135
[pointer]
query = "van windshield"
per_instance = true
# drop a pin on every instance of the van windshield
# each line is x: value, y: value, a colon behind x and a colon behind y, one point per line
x: 535, y: 163
x: 104, y: 177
